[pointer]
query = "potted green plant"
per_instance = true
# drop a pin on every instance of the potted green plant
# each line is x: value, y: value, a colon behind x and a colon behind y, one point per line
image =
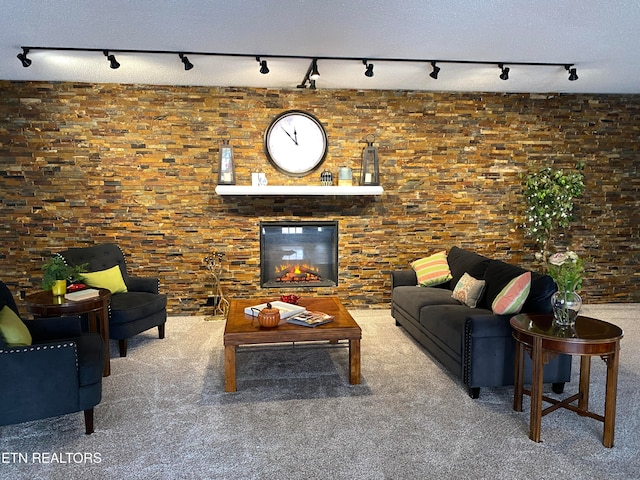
x: 56, y: 274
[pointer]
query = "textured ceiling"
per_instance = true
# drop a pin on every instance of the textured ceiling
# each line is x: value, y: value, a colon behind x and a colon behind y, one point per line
x: 602, y: 39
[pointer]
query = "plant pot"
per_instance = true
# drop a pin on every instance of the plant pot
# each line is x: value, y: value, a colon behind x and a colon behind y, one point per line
x: 565, y: 306
x: 59, y: 288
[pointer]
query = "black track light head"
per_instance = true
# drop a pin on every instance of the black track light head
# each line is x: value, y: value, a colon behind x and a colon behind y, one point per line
x: 23, y: 58
x: 187, y: 64
x: 369, y: 70
x: 505, y: 72
x: 264, y: 69
x: 435, y: 72
x: 315, y: 74
x: 113, y: 63
x: 573, y: 74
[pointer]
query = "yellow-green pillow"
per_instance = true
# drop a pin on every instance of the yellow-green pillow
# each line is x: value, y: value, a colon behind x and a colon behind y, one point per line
x: 111, y: 279
x: 13, y: 330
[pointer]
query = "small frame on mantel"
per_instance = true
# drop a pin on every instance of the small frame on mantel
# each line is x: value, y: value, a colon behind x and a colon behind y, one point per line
x: 226, y: 170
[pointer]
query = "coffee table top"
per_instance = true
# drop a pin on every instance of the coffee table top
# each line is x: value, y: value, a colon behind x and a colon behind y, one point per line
x: 242, y: 329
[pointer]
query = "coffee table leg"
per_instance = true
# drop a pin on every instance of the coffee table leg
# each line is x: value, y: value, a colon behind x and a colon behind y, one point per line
x: 610, y: 397
x: 536, y: 390
x: 354, y: 361
x: 230, y: 368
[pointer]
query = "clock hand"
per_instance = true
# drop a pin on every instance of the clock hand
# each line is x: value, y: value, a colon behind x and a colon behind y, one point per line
x: 295, y: 135
x: 294, y: 140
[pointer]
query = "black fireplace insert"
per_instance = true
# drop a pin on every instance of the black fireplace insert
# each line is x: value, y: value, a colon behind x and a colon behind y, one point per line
x: 299, y: 253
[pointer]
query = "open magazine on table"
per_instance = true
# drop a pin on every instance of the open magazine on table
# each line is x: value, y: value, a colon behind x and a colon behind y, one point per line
x: 310, y: 319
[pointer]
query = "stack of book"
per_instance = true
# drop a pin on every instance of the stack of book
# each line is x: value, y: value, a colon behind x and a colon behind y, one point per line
x: 80, y: 295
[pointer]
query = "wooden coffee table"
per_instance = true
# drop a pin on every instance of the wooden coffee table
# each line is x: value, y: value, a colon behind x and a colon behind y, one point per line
x: 242, y: 329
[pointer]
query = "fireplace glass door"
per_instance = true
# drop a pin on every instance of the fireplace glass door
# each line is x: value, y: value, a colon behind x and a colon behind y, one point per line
x: 299, y: 253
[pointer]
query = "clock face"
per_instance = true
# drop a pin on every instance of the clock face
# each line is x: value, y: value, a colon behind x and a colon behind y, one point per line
x: 295, y: 143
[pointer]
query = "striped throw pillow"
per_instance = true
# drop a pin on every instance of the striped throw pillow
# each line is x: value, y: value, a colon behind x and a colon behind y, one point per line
x: 432, y: 270
x: 512, y: 297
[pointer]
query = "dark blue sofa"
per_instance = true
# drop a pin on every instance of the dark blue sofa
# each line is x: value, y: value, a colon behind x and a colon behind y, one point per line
x: 473, y: 343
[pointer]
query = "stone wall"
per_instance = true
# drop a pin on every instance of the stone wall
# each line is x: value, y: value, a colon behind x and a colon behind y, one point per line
x: 137, y: 165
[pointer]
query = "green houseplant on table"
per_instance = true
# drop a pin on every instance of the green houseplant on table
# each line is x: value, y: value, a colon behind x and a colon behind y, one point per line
x: 57, y: 273
x: 549, y: 195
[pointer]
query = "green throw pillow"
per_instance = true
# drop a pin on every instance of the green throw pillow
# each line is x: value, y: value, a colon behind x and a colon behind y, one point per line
x: 111, y: 279
x: 13, y: 330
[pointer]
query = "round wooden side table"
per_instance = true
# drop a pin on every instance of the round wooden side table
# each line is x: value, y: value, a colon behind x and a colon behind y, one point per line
x: 538, y: 335
x: 45, y: 304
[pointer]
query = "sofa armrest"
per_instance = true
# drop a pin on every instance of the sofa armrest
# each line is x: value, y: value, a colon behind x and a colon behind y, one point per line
x: 52, y: 328
x: 143, y: 284
x: 489, y: 325
x: 405, y: 277
x: 44, y: 376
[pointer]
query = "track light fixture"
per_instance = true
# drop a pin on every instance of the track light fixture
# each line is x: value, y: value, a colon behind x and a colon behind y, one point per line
x: 312, y: 73
x: 264, y: 69
x: 187, y: 64
x: 369, y: 70
x: 23, y: 57
x: 113, y: 63
x: 435, y: 72
x: 315, y: 74
x: 505, y: 72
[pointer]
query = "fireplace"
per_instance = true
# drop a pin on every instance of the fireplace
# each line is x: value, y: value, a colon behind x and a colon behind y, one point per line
x: 299, y: 253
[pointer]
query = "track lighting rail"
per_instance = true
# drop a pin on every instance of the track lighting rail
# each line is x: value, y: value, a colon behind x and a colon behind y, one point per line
x: 312, y: 73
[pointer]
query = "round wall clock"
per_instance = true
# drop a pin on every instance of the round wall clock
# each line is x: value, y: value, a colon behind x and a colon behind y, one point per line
x: 295, y: 143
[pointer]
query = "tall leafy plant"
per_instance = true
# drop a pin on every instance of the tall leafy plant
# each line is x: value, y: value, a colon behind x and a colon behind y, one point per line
x: 549, y: 194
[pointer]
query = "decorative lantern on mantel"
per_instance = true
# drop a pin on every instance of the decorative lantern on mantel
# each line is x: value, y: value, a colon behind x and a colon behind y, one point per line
x: 226, y: 170
x: 370, y: 173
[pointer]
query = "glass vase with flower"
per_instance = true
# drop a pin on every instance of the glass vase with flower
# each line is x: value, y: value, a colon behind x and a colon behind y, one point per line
x: 566, y: 269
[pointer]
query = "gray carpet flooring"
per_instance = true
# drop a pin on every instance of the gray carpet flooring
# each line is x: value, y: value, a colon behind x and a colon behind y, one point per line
x: 164, y: 414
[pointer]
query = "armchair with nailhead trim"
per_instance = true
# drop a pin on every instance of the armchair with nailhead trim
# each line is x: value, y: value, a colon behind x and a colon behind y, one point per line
x: 59, y: 373
x: 140, y: 308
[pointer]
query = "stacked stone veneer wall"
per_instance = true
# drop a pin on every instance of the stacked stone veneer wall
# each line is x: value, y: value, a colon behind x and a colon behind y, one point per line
x: 137, y: 165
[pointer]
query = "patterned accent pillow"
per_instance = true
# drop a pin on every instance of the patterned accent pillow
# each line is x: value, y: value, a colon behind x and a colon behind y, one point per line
x: 468, y: 290
x: 432, y: 270
x: 512, y: 297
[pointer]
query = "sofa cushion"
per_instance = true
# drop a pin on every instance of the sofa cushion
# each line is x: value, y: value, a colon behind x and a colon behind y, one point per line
x: 131, y: 306
x: 412, y: 298
x: 539, y: 299
x: 447, y: 323
x: 463, y: 261
x: 468, y: 290
x: 432, y: 270
x: 512, y: 297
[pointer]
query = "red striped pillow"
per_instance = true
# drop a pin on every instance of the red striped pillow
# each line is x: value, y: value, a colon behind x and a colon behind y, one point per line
x: 512, y: 297
x: 432, y: 270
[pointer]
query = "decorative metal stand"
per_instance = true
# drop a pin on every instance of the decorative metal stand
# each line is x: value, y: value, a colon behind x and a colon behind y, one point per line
x: 220, y: 304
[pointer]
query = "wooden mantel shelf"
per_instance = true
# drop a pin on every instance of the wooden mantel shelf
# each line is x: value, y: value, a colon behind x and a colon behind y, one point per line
x: 297, y: 190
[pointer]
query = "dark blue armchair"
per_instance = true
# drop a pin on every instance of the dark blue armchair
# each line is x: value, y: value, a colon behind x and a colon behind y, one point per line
x: 59, y: 373
x: 132, y: 312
